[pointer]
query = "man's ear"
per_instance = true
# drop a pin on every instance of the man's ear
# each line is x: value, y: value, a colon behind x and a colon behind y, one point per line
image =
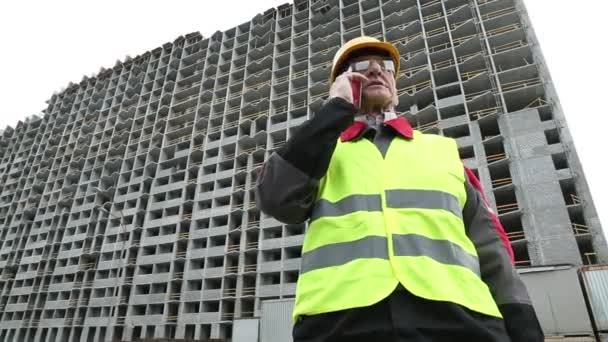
x: 395, y: 99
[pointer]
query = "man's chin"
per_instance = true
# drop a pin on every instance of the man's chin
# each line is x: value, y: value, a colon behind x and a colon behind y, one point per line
x: 377, y: 98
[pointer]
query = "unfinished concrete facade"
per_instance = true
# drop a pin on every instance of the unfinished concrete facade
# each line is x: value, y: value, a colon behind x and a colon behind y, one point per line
x: 127, y: 209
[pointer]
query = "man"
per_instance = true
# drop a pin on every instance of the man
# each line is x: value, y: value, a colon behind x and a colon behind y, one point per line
x: 401, y: 245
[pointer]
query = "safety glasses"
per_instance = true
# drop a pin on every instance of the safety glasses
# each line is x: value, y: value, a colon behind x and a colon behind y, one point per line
x: 362, y: 66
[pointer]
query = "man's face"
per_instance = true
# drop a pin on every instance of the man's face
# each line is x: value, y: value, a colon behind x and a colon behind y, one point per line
x: 381, y: 89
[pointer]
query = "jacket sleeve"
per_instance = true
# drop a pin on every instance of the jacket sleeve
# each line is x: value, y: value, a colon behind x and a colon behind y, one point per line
x: 497, y: 266
x: 288, y: 181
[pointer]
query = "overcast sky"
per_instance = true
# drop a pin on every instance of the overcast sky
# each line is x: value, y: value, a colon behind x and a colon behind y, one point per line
x: 46, y: 44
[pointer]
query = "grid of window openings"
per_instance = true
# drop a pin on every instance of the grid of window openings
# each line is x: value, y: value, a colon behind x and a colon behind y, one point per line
x: 127, y: 208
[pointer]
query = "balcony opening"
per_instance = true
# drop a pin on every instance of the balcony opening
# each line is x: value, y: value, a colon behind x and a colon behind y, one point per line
x: 500, y: 175
x: 489, y: 128
x: 159, y: 288
x: 513, y: 228
x: 569, y: 192
x: 290, y: 277
x: 215, y: 261
x: 579, y: 224
x: 552, y: 136
x: 197, y: 264
x: 271, y: 255
x: 272, y: 233
x: 294, y: 229
x: 199, y: 243
x: 211, y: 306
x: 587, y: 252
x: 194, y: 285
x: 191, y: 307
x: 457, y: 131
x: 466, y: 152
x: 293, y: 252
x: 156, y: 309
x: 560, y: 161
x: 271, y: 278
x: 522, y: 257
x: 205, y: 331
x: 506, y: 201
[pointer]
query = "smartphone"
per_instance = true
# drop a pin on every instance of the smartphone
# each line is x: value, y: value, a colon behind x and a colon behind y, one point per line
x: 356, y: 88
x: 355, y: 85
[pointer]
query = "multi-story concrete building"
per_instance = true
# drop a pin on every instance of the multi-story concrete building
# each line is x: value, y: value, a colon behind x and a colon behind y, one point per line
x: 127, y: 208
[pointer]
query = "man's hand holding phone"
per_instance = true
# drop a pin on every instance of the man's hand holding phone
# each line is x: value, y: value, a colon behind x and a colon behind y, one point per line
x: 349, y: 86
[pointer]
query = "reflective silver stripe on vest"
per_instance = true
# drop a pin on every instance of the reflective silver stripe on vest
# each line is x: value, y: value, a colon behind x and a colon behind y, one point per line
x: 423, y: 199
x: 442, y: 251
x: 337, y: 254
x: 347, y: 205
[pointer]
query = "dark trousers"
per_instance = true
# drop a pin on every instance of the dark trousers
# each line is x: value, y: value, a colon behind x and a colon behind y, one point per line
x: 401, y: 317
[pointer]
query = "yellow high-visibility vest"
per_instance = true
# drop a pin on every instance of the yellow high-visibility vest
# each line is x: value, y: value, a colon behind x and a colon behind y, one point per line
x: 378, y: 222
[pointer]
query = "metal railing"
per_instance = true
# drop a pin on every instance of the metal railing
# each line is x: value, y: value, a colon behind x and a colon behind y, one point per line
x: 502, y: 182
x: 250, y: 268
x: 496, y: 157
x: 518, y: 235
x: 538, y: 102
x: 178, y: 140
x: 504, y: 29
x: 427, y: 126
x: 298, y: 105
x: 463, y: 58
x: 591, y: 258
x: 470, y: 96
x: 506, y: 208
x: 248, y: 291
x: 229, y: 293
x: 414, y: 88
x: 436, y: 31
x: 509, y: 46
x: 299, y: 74
x: 411, y: 54
x: 407, y: 39
x: 580, y: 229
x: 431, y: 3
x: 458, y: 41
x: 521, y: 84
x: 255, y: 115
x: 470, y: 74
x: 411, y: 71
x: 433, y: 16
x: 476, y: 115
x: 444, y: 64
x: 520, y: 263
x: 574, y: 200
x: 498, y: 13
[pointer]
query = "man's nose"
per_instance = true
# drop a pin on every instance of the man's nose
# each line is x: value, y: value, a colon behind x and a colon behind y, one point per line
x: 374, y: 69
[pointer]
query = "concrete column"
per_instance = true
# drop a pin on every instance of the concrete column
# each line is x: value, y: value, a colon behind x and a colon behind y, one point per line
x: 38, y: 335
x: 545, y: 217
x: 127, y: 332
x: 62, y: 335
x: 180, y: 330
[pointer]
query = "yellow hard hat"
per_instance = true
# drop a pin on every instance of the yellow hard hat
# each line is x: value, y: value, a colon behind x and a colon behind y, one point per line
x: 363, y: 42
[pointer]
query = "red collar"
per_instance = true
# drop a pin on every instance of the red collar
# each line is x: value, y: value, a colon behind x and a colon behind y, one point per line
x: 399, y: 124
